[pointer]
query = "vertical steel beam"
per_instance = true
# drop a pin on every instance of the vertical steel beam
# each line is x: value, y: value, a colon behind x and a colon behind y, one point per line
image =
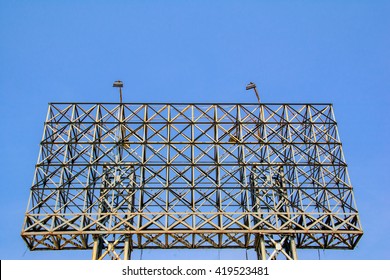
x: 127, y: 248
x: 293, y: 248
x: 260, y: 247
x: 218, y: 193
x: 97, y: 247
x: 193, y: 199
x: 143, y: 172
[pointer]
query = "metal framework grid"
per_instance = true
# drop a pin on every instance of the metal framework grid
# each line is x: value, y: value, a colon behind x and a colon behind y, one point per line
x: 113, y: 177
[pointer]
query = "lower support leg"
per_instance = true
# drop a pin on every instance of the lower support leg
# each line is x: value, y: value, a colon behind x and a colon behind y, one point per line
x: 127, y: 248
x: 97, y: 247
x: 260, y: 248
x: 293, y: 248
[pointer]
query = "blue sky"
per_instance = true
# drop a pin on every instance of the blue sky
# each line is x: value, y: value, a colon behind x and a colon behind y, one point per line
x: 198, y: 51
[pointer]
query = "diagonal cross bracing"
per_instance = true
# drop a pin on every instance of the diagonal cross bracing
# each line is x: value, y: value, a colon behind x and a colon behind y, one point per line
x: 123, y: 176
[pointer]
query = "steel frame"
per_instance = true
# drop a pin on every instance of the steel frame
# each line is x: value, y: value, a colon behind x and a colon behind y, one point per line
x: 112, y: 177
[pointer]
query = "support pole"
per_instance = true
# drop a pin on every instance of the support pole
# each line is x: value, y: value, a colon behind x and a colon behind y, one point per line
x: 127, y: 248
x: 260, y: 248
x: 119, y: 84
x: 293, y: 248
x: 253, y: 86
x: 97, y: 247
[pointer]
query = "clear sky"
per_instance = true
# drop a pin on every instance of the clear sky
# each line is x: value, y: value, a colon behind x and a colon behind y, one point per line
x: 198, y: 51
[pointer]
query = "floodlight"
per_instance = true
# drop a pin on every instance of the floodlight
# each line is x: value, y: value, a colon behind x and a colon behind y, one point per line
x: 250, y: 86
x: 118, y: 84
x: 253, y: 86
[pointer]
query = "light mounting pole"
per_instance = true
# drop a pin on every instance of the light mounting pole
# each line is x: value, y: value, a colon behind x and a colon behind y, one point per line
x: 253, y: 86
x: 119, y: 84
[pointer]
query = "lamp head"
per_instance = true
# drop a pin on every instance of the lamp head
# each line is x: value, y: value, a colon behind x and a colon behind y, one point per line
x: 118, y: 84
x: 250, y: 86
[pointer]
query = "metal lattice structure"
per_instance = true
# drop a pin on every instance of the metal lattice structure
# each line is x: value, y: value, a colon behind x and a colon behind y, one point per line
x: 113, y: 177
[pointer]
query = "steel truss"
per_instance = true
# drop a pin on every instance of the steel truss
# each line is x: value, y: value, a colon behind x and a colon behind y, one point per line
x: 113, y: 177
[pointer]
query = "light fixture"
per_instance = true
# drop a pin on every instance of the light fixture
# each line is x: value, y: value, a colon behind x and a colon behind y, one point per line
x: 253, y: 86
x: 119, y: 84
